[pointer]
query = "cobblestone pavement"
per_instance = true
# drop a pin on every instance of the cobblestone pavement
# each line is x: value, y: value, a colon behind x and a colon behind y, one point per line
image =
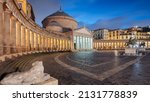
x: 98, y: 68
x: 86, y: 68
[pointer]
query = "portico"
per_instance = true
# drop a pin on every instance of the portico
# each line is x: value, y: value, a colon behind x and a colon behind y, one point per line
x: 83, y: 39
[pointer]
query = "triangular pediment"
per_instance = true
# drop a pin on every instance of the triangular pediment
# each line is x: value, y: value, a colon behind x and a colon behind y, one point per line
x: 83, y: 30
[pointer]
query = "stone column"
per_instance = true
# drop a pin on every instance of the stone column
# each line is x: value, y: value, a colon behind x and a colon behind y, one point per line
x: 55, y: 44
x: 45, y: 43
x: 36, y: 41
x: 52, y: 44
x: 42, y: 40
x: 13, y: 34
x: 48, y: 43
x: 31, y: 41
x: 59, y: 44
x: 62, y: 45
x: 6, y: 38
x: 28, y: 39
x: 23, y: 38
x: 57, y: 47
x: 18, y: 37
x: 1, y: 28
x: 65, y: 45
x: 40, y: 43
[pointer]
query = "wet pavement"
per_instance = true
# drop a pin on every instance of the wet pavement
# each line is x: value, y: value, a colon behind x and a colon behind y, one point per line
x: 98, y: 68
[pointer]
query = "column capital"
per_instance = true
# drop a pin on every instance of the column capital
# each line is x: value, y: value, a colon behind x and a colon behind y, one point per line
x: 8, y: 11
x: 14, y: 18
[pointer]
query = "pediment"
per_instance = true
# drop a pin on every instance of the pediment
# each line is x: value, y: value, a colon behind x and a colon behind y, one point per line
x: 83, y: 31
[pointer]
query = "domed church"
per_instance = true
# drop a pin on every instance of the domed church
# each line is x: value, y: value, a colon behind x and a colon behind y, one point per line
x: 59, y: 21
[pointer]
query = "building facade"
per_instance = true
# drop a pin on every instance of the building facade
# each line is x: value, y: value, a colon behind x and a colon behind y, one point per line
x: 117, y: 39
x: 100, y: 33
x: 83, y: 39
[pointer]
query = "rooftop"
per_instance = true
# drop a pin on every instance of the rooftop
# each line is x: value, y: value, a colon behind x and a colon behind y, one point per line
x: 60, y: 13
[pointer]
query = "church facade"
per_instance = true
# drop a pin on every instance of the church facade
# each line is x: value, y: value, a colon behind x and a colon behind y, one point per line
x: 60, y: 21
x: 83, y: 39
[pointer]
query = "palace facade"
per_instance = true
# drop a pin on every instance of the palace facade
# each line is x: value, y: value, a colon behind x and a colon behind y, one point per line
x: 117, y: 39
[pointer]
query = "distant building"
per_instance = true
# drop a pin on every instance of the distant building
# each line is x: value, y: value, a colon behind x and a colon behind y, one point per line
x: 100, y: 33
x: 116, y: 39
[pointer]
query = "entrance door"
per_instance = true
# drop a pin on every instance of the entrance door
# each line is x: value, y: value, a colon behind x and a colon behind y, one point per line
x: 75, y: 46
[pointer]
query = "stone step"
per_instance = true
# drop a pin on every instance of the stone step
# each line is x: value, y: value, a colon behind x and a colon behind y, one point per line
x: 20, y: 63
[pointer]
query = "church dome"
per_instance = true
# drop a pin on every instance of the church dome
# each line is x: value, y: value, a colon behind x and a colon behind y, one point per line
x: 54, y: 23
x: 54, y: 26
x: 60, y: 13
x: 61, y: 19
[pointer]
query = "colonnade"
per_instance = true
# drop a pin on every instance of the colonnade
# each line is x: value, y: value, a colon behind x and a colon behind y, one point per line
x: 83, y: 43
x: 19, y: 34
x: 114, y: 45
x: 109, y: 45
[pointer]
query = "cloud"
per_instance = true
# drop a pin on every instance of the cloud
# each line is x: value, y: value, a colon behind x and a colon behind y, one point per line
x: 118, y: 22
x: 93, y: 10
x: 112, y: 23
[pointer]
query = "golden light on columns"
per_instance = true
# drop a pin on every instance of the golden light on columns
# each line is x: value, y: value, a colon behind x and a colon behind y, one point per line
x: 13, y: 34
x: 51, y: 46
x: 28, y: 39
x: 22, y: 37
x: 6, y: 33
x: 1, y: 28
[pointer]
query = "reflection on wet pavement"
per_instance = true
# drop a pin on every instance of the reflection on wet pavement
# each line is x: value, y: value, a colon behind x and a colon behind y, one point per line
x: 100, y: 68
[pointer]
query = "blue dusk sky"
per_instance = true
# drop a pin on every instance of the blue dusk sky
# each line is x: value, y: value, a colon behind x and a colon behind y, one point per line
x: 96, y: 14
